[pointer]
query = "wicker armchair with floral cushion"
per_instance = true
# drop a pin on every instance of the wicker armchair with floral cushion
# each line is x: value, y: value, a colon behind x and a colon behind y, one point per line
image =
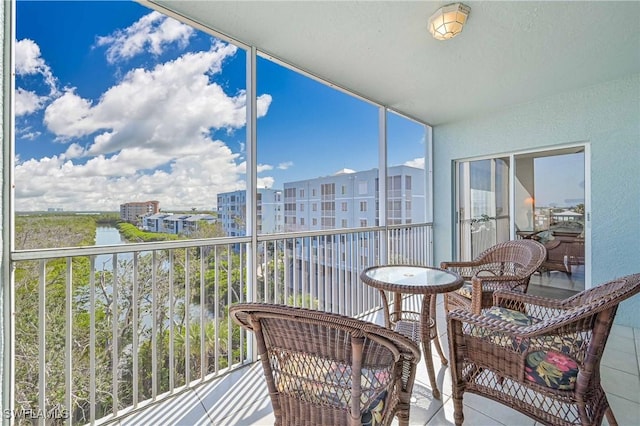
x: 539, y: 356
x: 328, y: 369
x: 504, y: 266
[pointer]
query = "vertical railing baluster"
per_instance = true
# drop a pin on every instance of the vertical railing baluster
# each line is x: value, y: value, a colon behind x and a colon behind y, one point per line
x: 216, y: 311
x: 289, y: 277
x: 134, y: 325
x: 42, y: 339
x: 114, y: 334
x: 326, y: 271
x: 187, y: 317
x: 92, y: 340
x: 68, y: 342
x: 229, y: 302
x: 203, y: 355
x: 335, y: 277
x: 242, y: 264
x: 301, y: 265
x: 154, y: 327
x: 276, y: 288
x: 172, y: 369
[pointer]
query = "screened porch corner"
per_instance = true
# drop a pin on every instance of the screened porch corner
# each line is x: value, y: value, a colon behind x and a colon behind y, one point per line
x: 240, y: 398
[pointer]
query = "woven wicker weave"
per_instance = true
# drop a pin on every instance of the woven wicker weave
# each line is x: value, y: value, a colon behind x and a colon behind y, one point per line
x: 328, y: 369
x: 504, y: 266
x: 491, y: 357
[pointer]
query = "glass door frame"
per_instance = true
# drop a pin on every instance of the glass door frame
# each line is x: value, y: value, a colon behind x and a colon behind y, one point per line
x: 544, y: 151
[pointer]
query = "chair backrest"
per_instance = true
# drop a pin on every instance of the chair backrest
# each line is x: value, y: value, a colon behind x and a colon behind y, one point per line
x: 327, y: 366
x: 590, y: 315
x: 518, y: 257
x: 606, y: 295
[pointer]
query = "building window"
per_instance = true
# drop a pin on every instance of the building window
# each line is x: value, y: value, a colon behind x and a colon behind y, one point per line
x: 344, y: 223
x: 302, y: 221
x: 407, y: 182
x: 362, y: 187
x: 344, y: 206
x: 313, y: 192
x: 301, y: 207
x: 344, y: 189
x: 363, y: 223
x: 363, y: 206
x: 314, y: 207
x: 314, y: 222
x: 302, y: 193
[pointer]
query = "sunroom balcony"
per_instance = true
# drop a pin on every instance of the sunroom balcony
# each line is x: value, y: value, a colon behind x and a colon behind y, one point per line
x: 114, y: 328
x: 241, y: 397
x: 169, y: 301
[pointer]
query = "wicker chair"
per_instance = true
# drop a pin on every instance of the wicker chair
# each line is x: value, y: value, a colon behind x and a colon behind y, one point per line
x: 328, y: 369
x: 504, y: 266
x: 539, y: 356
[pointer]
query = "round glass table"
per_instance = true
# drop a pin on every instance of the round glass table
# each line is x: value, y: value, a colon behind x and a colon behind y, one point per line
x: 400, y: 280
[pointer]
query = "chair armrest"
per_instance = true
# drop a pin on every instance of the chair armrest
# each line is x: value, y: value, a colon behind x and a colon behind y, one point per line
x: 471, y: 321
x: 503, y: 297
x: 498, y: 282
x: 538, y: 307
x: 465, y: 269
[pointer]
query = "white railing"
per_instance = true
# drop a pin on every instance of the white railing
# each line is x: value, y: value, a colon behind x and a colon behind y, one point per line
x: 109, y: 337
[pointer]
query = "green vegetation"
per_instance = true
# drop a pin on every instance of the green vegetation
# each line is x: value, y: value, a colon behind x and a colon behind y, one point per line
x: 132, y: 234
x: 161, y: 278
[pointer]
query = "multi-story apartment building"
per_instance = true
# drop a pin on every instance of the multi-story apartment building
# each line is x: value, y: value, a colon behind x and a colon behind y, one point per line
x: 232, y: 211
x: 351, y: 200
x: 133, y: 212
x: 175, y: 223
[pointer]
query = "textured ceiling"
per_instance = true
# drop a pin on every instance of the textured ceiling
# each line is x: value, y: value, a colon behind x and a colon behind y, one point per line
x: 509, y: 52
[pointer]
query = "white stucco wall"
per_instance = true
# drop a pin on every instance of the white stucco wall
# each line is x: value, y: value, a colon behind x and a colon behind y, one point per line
x: 606, y: 116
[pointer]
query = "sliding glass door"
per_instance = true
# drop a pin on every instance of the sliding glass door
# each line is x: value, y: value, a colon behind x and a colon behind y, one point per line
x: 539, y: 195
x: 483, y: 205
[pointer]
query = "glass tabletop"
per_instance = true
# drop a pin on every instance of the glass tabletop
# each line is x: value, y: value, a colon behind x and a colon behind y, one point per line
x: 416, y: 279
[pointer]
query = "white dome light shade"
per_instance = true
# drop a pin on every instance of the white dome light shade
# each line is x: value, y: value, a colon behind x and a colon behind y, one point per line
x: 447, y: 22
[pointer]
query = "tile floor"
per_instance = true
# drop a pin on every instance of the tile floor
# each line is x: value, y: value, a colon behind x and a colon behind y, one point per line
x: 240, y: 398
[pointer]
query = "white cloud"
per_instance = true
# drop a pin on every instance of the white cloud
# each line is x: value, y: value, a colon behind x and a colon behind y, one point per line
x: 151, y: 33
x: 29, y: 62
x: 149, y: 138
x: 416, y: 162
x: 27, y: 101
x: 285, y: 165
x: 27, y: 133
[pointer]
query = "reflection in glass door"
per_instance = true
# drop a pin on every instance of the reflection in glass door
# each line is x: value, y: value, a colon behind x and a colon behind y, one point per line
x: 546, y: 202
x: 483, y: 205
x: 550, y: 208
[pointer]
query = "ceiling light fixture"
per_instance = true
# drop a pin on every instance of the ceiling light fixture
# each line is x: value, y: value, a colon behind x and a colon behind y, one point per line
x: 447, y: 22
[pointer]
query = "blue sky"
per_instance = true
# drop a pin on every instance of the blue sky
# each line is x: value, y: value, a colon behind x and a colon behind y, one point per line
x: 117, y: 103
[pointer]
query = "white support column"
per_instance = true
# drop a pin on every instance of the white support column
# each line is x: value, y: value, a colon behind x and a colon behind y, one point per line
x: 382, y: 180
x: 7, y: 324
x: 251, y: 213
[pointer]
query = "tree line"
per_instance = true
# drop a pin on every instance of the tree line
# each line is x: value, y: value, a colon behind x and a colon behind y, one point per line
x: 144, y: 297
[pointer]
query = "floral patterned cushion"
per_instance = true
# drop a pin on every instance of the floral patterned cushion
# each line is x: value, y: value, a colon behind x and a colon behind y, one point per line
x: 552, y: 369
x: 509, y: 315
x: 465, y: 290
x: 321, y: 381
x: 374, y: 413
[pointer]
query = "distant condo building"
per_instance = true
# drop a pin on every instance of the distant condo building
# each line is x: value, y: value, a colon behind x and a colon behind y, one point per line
x: 133, y: 212
x: 232, y: 211
x: 170, y: 223
x: 350, y: 199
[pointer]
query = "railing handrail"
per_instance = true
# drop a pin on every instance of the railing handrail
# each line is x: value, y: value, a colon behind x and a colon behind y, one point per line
x: 54, y: 253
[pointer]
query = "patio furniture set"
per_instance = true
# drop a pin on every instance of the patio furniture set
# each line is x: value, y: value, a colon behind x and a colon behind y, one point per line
x: 537, y: 355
